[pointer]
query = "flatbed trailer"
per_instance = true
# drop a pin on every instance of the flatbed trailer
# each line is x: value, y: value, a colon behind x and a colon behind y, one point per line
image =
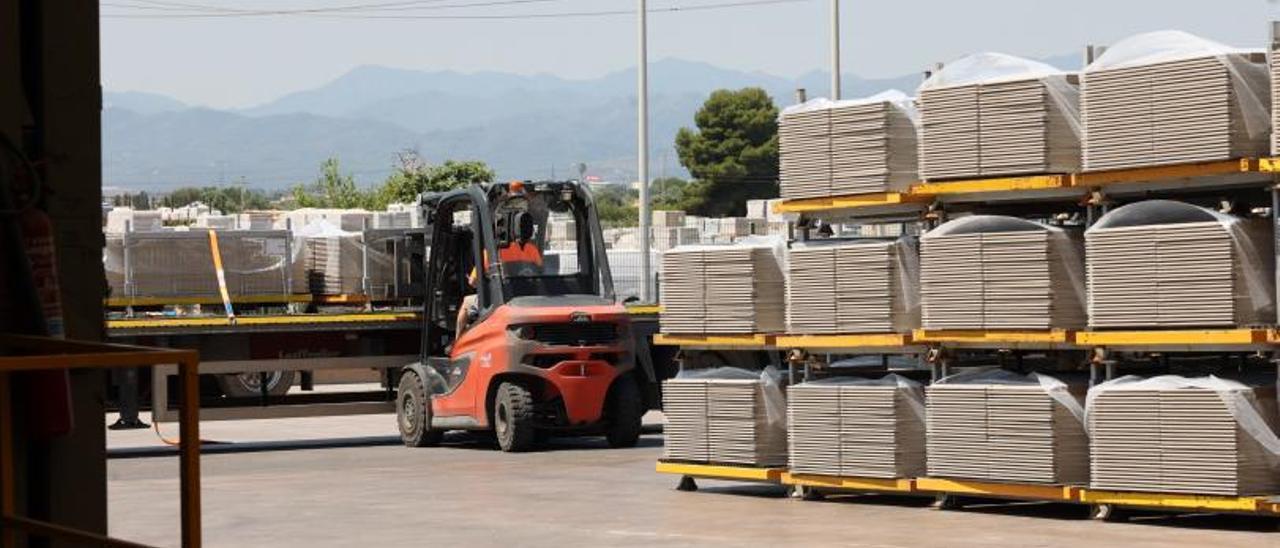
x: 293, y: 348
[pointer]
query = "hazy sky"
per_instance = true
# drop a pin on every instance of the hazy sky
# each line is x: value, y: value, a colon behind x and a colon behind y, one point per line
x: 240, y: 61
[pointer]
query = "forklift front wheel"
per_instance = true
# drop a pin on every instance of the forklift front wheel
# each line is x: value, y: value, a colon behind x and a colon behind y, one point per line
x: 413, y: 413
x: 625, y: 412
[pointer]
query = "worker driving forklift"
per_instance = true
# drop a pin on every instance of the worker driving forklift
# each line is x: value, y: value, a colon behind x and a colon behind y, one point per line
x: 530, y: 345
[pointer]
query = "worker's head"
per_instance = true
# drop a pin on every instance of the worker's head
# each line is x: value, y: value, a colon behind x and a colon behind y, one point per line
x: 523, y: 226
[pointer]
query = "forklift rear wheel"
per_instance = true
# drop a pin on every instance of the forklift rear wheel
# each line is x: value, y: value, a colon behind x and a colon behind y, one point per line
x: 624, y: 412
x: 513, y: 418
x: 413, y: 413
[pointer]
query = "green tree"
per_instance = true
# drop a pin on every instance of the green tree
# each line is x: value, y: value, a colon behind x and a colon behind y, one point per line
x: 415, y: 176
x: 616, y: 206
x: 733, y: 153
x: 332, y: 189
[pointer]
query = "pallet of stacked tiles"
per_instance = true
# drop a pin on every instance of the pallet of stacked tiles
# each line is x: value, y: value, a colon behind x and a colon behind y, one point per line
x: 389, y: 261
x: 994, y: 272
x: 731, y: 289
x: 854, y: 427
x: 853, y: 287
x: 991, y: 114
x: 1166, y: 264
x: 1170, y: 97
x: 1172, y: 434
x: 854, y: 146
x: 1004, y: 427
x: 327, y: 260
x: 180, y: 263
x: 725, y: 416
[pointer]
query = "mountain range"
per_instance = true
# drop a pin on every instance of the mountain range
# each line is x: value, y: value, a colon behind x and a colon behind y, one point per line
x: 524, y: 126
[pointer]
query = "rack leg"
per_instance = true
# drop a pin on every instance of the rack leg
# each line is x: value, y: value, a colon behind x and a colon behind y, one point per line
x: 687, y: 484
x: 946, y: 502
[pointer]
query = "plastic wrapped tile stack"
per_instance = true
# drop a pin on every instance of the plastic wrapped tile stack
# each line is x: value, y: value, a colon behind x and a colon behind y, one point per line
x: 731, y: 289
x: 179, y: 263
x: 668, y: 218
x: 1174, y: 434
x: 726, y: 416
x: 123, y: 219
x: 993, y: 272
x: 848, y: 147
x: 853, y: 287
x: 992, y: 114
x: 1002, y: 426
x: 326, y: 260
x: 857, y: 427
x: 1275, y: 99
x: 1160, y: 263
x: 1170, y: 97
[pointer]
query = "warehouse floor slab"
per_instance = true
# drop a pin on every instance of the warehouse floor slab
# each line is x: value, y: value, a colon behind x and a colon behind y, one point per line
x: 576, y: 492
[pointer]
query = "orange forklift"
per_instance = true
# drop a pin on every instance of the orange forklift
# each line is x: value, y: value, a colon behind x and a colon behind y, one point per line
x: 519, y: 339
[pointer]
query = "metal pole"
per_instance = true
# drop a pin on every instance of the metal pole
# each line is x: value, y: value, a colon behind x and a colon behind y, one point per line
x: 835, y: 50
x: 642, y: 96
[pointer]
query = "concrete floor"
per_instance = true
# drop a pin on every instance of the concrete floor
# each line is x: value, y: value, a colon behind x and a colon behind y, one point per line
x: 576, y: 492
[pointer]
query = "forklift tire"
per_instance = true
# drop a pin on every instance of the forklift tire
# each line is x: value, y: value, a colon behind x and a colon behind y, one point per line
x: 413, y: 413
x: 624, y: 411
x: 513, y: 418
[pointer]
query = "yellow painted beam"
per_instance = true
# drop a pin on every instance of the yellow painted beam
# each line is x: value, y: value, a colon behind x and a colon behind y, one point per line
x: 724, y: 472
x: 899, y: 485
x: 749, y: 339
x: 1179, y: 337
x: 1053, y: 336
x: 644, y: 309
x: 852, y: 201
x: 999, y: 184
x: 212, y: 299
x: 1269, y: 165
x: 152, y: 323
x: 1063, y: 493
x: 1158, y: 173
x: 1175, y: 501
x: 864, y: 340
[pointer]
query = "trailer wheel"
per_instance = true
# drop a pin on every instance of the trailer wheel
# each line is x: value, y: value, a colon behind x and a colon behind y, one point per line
x: 513, y: 418
x: 413, y: 413
x: 624, y: 410
x: 249, y: 385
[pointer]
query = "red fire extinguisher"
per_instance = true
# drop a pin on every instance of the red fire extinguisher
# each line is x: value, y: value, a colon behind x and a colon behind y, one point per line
x: 30, y: 290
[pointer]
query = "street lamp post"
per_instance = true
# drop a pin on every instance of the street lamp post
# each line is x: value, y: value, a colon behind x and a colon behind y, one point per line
x: 642, y: 100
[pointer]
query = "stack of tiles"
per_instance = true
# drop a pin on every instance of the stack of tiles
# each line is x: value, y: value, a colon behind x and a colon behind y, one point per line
x: 1170, y: 98
x: 1169, y: 264
x: 852, y: 287
x: 1004, y: 430
x: 682, y: 288
x: 721, y: 420
x: 1275, y: 100
x: 722, y: 289
x: 988, y: 272
x: 180, y: 264
x: 684, y: 404
x: 389, y: 261
x: 992, y: 114
x: 1175, y: 435
x: 848, y: 147
x: 873, y: 146
x: 856, y: 428
x: 804, y: 152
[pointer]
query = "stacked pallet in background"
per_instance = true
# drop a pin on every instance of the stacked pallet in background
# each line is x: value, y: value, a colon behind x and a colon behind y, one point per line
x: 725, y: 416
x: 992, y: 272
x: 722, y: 289
x: 179, y: 264
x: 1178, y: 435
x: 1161, y: 263
x: 991, y: 114
x: 853, y: 287
x: 848, y: 147
x: 1169, y: 98
x: 857, y: 427
x: 1004, y: 427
